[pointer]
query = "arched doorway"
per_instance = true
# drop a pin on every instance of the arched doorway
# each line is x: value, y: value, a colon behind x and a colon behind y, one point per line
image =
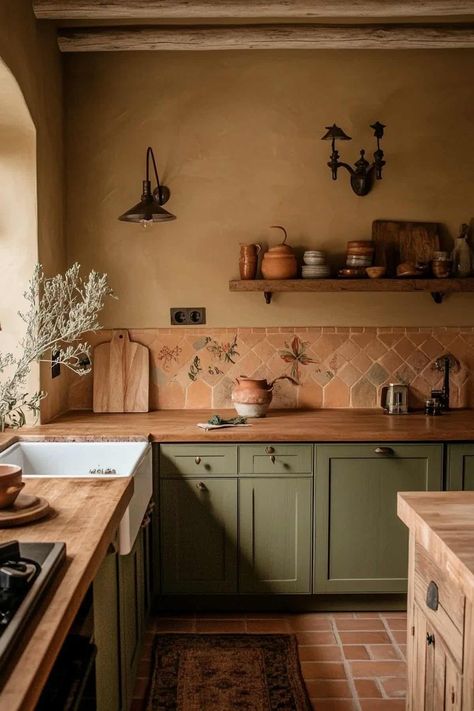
x: 18, y: 211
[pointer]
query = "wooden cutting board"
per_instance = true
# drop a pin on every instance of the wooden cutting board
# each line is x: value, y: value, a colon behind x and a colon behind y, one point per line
x: 399, y: 241
x: 121, y: 375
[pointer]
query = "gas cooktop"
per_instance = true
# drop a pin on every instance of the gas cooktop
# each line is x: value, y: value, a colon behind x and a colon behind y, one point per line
x: 26, y: 570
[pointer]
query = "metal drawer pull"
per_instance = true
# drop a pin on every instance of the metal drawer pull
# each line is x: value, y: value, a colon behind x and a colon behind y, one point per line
x: 430, y: 639
x: 269, y: 450
x: 383, y: 450
x: 197, y: 460
x: 273, y: 459
x: 201, y: 486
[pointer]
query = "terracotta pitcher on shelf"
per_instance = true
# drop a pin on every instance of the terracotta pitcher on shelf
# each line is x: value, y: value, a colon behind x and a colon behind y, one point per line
x: 249, y: 260
x: 252, y: 397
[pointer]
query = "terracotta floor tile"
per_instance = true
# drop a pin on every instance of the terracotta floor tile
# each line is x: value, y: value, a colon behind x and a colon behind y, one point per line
x: 382, y: 704
x: 316, y: 637
x: 396, y: 623
x: 266, y: 615
x: 355, y: 651
x: 391, y: 613
x: 170, y: 625
x: 367, y: 623
x: 141, y: 688
x: 333, y: 705
x: 341, y: 615
x: 367, y: 689
x: 353, y: 637
x: 373, y: 668
x: 309, y: 622
x: 221, y: 616
x: 321, y: 653
x: 323, y: 670
x: 395, y: 687
x: 220, y: 626
x: 275, y: 626
x: 383, y: 651
x: 328, y: 688
x: 399, y: 636
x: 363, y: 615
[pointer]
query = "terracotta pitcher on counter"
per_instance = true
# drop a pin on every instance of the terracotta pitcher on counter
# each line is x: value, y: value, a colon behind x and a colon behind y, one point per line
x: 252, y: 397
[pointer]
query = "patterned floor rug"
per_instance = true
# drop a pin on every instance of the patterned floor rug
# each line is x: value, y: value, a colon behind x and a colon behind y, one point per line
x: 226, y: 672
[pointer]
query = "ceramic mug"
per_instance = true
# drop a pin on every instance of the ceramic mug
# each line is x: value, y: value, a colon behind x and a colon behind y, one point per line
x: 250, y: 251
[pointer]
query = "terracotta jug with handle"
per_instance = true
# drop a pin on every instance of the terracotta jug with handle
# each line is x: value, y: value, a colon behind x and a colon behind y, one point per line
x: 252, y: 397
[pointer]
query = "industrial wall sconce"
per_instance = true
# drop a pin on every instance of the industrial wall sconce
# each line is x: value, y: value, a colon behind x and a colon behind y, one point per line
x: 363, y: 172
x: 150, y: 209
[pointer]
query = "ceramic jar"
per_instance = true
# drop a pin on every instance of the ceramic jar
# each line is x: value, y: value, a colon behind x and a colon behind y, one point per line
x: 249, y: 260
x: 279, y: 262
x: 251, y: 397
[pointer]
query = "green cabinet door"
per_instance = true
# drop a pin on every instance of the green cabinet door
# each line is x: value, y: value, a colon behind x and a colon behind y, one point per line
x: 132, y: 615
x: 460, y: 467
x: 198, y: 535
x: 361, y: 546
x: 275, y: 523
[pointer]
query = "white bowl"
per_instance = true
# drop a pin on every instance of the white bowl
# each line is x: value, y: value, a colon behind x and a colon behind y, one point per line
x: 314, y: 260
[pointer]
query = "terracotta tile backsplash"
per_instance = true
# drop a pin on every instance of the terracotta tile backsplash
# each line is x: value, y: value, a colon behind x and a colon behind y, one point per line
x: 334, y: 367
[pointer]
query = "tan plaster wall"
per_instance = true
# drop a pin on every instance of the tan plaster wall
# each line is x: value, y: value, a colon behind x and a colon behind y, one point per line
x: 30, y: 52
x: 237, y: 138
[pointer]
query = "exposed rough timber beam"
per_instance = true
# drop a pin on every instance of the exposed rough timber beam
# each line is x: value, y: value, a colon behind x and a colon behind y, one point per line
x: 192, y: 37
x: 235, y: 9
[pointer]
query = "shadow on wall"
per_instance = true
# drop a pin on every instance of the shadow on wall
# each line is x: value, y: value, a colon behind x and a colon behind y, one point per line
x: 18, y: 211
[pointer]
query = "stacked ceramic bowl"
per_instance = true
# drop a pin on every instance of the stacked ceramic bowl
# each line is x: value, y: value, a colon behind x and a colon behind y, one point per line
x: 360, y: 254
x: 315, y: 265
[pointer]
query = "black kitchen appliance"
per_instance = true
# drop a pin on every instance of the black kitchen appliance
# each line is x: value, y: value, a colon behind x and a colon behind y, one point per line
x: 26, y: 569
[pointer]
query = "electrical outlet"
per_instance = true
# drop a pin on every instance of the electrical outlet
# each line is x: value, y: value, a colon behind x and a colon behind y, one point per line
x: 188, y: 315
x: 55, y: 366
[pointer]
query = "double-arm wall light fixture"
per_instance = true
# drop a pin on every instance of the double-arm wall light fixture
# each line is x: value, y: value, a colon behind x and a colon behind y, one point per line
x: 150, y: 209
x: 363, y: 172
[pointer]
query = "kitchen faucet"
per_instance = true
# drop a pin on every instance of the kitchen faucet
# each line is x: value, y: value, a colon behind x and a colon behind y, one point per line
x: 444, y: 363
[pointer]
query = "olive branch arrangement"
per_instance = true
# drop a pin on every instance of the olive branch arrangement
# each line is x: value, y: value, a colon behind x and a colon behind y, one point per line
x: 60, y: 310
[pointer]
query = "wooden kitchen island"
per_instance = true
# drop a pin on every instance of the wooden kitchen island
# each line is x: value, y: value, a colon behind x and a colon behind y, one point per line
x: 440, y: 653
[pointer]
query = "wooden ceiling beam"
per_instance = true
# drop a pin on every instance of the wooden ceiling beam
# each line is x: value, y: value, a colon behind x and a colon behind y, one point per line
x: 192, y: 37
x: 239, y: 9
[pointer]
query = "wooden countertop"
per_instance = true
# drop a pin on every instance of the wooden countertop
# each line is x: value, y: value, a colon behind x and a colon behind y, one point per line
x: 279, y: 426
x: 87, y: 514
x: 443, y: 522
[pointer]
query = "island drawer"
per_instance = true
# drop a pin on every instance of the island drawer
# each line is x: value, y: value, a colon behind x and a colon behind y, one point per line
x: 198, y: 460
x: 276, y: 459
x: 442, y: 601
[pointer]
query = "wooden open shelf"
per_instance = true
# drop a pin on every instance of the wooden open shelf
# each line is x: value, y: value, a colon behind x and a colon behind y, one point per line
x: 438, y: 288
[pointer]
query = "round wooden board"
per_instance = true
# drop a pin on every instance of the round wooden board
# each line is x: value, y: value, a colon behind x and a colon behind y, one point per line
x: 26, y: 509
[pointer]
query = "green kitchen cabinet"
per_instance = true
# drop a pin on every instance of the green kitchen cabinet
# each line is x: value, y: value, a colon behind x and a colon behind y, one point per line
x: 198, y: 460
x: 360, y: 544
x: 105, y: 592
x: 275, y: 523
x: 198, y: 535
x: 460, y: 467
x: 276, y: 460
x: 132, y: 614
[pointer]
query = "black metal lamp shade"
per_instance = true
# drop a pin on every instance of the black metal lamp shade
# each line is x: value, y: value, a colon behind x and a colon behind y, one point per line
x: 150, y: 209
x: 335, y: 133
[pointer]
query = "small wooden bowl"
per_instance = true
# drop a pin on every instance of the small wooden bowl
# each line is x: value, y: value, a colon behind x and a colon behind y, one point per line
x: 10, y: 484
x: 376, y: 272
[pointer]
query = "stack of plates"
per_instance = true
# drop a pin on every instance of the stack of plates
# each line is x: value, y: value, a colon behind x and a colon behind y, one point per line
x: 315, y: 265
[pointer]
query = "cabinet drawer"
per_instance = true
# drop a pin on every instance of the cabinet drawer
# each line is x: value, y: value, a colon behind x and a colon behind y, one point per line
x: 274, y: 459
x: 433, y: 583
x: 198, y: 460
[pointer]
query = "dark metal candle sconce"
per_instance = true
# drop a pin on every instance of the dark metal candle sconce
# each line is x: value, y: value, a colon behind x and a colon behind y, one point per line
x: 362, y: 175
x: 150, y: 208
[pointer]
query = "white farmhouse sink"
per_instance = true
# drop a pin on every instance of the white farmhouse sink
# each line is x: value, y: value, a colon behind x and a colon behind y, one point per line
x: 92, y: 460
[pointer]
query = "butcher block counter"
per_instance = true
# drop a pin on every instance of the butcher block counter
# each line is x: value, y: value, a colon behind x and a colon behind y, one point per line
x: 343, y: 425
x: 86, y: 516
x: 440, y: 651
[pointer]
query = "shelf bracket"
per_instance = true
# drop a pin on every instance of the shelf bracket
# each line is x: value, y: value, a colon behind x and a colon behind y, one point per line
x: 437, y: 296
x: 268, y: 297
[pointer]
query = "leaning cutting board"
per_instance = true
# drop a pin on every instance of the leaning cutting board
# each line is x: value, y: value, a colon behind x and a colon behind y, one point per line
x: 121, y: 375
x: 399, y: 241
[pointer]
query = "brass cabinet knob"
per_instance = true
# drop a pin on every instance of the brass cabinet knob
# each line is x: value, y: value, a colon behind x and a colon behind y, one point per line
x: 385, y: 451
x: 430, y: 639
x: 201, y: 486
x: 197, y: 460
x: 269, y: 450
